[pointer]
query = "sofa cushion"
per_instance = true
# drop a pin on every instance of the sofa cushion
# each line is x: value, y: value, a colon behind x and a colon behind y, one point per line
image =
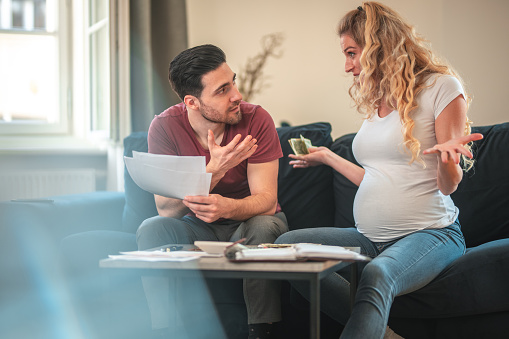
x: 344, y: 189
x: 303, y: 192
x: 482, y: 196
x: 63, y: 215
x: 139, y: 204
x: 472, y: 284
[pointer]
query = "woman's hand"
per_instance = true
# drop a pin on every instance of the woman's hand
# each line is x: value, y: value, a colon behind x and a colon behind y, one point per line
x: 452, y: 149
x: 324, y: 156
x: 317, y: 156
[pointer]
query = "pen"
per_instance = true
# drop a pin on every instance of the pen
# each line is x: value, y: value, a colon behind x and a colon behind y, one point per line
x: 173, y: 248
x: 237, y: 242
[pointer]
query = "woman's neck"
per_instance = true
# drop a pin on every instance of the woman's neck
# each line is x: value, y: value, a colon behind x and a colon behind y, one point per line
x: 384, y: 109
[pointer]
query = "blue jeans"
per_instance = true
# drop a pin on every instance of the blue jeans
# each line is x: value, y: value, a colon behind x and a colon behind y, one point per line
x: 400, y: 266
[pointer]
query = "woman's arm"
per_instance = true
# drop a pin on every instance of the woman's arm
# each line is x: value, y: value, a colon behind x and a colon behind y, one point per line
x: 450, y: 130
x: 323, y: 155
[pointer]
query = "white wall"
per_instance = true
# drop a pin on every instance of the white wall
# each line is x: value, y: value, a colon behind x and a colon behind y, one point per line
x: 308, y: 83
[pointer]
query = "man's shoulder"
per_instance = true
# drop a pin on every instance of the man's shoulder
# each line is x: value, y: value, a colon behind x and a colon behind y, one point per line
x: 171, y: 119
x: 248, y: 108
x: 173, y: 111
x: 254, y: 113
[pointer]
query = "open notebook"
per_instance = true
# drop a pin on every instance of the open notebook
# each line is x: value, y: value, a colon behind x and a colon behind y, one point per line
x: 295, y: 252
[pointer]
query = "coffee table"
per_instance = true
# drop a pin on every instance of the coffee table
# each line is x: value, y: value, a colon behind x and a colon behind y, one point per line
x: 220, y: 267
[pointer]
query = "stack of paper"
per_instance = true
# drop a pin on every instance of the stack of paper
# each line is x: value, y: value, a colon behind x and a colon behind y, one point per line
x: 169, y: 175
x: 300, y: 251
x: 160, y: 256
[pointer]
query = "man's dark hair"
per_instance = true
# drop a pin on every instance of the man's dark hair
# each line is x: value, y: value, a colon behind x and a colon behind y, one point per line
x: 187, y: 69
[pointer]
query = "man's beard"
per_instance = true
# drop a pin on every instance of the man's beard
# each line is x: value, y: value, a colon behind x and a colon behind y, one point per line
x: 213, y: 115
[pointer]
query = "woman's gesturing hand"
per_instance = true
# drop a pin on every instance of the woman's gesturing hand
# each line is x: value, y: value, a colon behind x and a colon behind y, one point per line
x: 452, y: 148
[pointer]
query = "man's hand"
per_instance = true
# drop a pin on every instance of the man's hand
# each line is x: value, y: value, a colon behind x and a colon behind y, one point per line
x: 209, y: 208
x: 224, y: 158
x: 262, y: 179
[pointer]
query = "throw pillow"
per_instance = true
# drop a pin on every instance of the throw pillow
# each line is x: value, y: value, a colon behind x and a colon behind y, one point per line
x: 306, y: 195
x: 481, y: 196
x: 344, y: 189
x: 139, y: 204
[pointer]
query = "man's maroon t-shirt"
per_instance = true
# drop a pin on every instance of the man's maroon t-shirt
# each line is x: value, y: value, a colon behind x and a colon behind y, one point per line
x: 170, y: 133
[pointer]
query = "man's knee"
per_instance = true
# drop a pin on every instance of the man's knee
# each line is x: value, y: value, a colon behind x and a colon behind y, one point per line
x: 154, y: 232
x: 265, y: 228
x: 148, y: 226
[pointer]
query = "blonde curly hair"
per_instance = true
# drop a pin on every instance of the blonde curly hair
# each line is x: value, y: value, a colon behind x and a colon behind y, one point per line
x: 396, y: 62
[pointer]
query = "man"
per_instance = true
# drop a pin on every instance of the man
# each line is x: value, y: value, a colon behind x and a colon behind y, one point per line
x: 242, y: 148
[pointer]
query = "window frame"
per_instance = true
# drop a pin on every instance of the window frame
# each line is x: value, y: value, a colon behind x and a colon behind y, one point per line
x: 62, y: 126
x: 75, y: 127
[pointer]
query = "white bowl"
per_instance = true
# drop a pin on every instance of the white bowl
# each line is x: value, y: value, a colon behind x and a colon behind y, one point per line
x: 213, y: 247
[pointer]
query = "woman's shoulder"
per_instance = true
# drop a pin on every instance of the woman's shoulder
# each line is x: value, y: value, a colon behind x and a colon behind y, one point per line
x: 438, y: 80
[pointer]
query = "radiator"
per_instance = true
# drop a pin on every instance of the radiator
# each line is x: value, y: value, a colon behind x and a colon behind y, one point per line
x: 43, y: 183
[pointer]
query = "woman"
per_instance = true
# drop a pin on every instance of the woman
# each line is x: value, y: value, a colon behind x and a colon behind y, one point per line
x: 403, y: 214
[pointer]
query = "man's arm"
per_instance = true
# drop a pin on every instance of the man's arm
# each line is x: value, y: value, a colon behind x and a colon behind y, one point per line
x: 169, y: 207
x: 222, y: 159
x: 262, y: 180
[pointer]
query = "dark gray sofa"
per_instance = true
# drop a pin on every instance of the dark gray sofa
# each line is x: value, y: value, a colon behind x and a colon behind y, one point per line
x: 469, y: 299
x: 54, y: 287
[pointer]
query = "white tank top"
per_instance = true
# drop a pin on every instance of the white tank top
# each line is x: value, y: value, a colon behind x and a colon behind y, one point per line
x: 394, y: 198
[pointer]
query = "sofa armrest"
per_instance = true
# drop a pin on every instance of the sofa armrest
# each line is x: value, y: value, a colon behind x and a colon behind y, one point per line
x: 60, y: 216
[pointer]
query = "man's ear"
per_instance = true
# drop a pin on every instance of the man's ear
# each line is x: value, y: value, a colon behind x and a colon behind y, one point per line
x: 192, y: 102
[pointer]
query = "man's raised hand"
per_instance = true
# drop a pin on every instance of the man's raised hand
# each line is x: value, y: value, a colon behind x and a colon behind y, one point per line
x: 224, y: 158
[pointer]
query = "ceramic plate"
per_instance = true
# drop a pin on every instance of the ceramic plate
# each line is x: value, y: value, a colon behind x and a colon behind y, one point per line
x: 213, y: 247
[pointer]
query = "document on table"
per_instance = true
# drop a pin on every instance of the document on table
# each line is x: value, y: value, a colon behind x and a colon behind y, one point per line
x: 301, y: 251
x: 169, y: 175
x: 161, y: 255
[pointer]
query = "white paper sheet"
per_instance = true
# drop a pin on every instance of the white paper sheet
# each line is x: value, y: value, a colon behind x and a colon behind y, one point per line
x: 172, y: 162
x: 149, y: 172
x: 135, y: 258
x: 161, y: 255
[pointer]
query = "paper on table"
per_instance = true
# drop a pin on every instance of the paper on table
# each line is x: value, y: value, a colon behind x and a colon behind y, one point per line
x: 275, y: 254
x: 167, y: 182
x: 160, y: 255
x: 300, y: 251
x: 136, y: 258
x: 329, y: 252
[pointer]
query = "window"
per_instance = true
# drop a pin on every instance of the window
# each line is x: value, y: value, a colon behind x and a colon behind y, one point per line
x: 97, y: 43
x: 55, y: 68
x: 32, y: 64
